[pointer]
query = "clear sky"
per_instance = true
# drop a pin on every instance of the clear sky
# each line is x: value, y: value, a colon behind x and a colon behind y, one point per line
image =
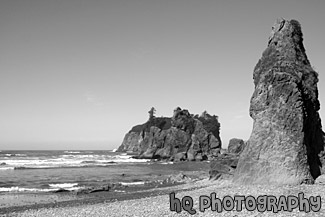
x: 78, y: 74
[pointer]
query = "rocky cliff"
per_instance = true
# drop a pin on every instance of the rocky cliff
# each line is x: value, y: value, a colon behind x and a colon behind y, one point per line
x: 286, y: 143
x: 181, y: 137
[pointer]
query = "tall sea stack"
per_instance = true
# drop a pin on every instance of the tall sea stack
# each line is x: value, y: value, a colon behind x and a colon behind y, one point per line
x: 286, y: 144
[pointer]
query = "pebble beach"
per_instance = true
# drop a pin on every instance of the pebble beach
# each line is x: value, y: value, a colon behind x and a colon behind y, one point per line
x: 151, y: 203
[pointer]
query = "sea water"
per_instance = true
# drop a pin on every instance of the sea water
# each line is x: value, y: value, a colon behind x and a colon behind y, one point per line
x: 42, y: 171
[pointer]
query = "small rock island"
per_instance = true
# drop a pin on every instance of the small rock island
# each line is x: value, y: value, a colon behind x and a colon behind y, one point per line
x: 183, y: 137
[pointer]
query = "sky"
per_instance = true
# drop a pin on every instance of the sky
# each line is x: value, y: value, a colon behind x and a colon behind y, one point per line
x: 78, y: 74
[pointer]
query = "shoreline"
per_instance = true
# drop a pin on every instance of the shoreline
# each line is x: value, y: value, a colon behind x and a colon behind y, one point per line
x: 19, y: 202
x: 158, y: 184
x: 82, y: 177
x: 149, y: 203
x: 155, y: 182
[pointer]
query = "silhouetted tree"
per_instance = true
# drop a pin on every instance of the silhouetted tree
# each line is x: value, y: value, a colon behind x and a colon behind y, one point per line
x: 152, y: 112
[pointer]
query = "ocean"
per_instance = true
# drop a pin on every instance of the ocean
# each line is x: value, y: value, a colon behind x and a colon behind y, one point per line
x: 46, y: 171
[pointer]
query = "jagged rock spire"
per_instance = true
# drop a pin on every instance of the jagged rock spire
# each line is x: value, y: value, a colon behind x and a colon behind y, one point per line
x: 287, y: 138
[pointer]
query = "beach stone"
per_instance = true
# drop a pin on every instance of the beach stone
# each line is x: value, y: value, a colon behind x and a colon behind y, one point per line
x: 117, y: 186
x: 183, y: 137
x: 181, y: 177
x: 191, y: 156
x: 223, y: 166
x: 94, y: 189
x: 199, y: 157
x: 236, y: 146
x: 286, y: 144
x: 100, y: 189
x: 180, y: 156
x: 320, y: 180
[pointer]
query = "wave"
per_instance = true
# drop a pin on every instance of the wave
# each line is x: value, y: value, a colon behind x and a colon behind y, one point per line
x: 97, y: 162
x: 69, y: 155
x: 105, y: 164
x: 68, y: 161
x: 167, y: 162
x: 132, y: 183
x: 114, y: 150
x: 72, y: 152
x: 124, y: 158
x: 66, y: 186
x: 21, y: 155
x: 19, y: 189
x: 63, y: 185
x: 7, y: 168
x: 15, y: 155
x: 88, y: 162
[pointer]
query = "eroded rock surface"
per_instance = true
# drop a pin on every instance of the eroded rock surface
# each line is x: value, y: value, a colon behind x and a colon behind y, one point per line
x: 236, y: 146
x: 182, y: 137
x: 286, y: 144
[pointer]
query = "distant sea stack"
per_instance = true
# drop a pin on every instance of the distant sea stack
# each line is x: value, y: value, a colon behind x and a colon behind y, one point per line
x: 182, y: 137
x: 286, y: 144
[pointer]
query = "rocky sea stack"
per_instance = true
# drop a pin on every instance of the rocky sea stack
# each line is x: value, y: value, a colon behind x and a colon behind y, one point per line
x: 182, y: 137
x: 286, y: 145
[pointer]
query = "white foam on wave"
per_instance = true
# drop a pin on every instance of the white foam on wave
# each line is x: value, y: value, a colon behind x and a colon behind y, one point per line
x: 21, y: 155
x: 122, y: 156
x: 72, y: 152
x: 81, y: 156
x: 7, y: 168
x: 69, y: 160
x: 15, y: 155
x: 44, y: 163
x: 133, y: 183
x: 167, y: 162
x: 63, y: 185
x: 114, y: 150
x: 20, y: 189
x: 128, y: 159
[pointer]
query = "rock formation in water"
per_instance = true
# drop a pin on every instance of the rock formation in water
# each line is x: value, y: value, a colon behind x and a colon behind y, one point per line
x: 286, y: 144
x: 236, y: 146
x: 182, y: 137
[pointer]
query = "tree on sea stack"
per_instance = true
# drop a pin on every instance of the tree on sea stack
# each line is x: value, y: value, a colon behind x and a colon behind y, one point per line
x: 152, y: 112
x: 286, y: 145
